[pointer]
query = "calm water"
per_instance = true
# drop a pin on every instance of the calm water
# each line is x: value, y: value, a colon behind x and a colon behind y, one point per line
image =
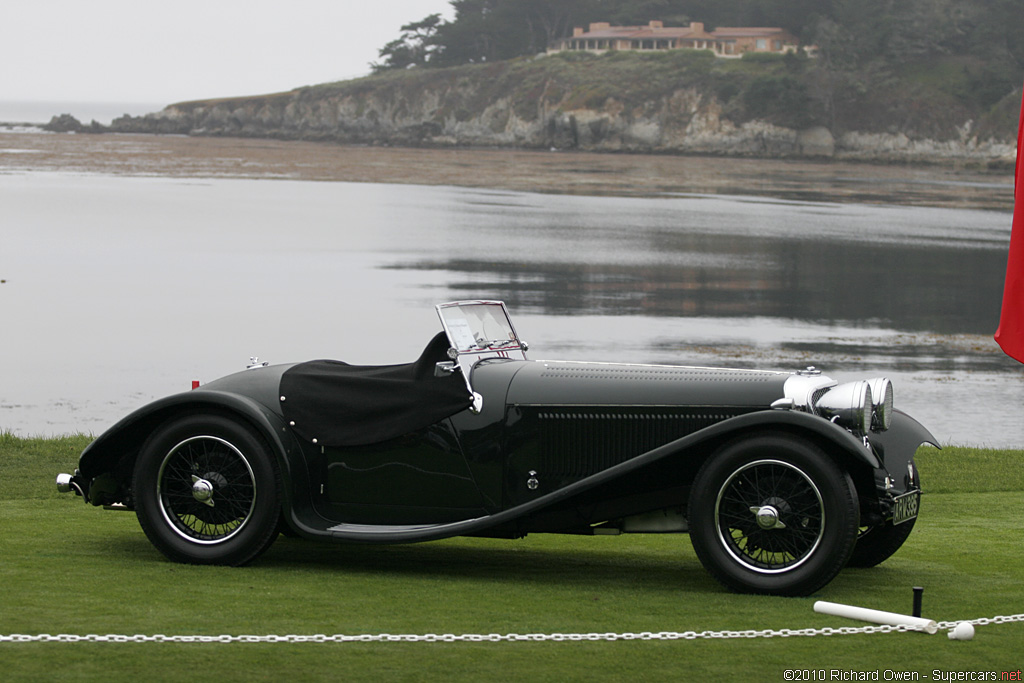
x: 121, y: 290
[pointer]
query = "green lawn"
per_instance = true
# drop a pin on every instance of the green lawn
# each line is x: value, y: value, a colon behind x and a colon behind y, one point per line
x: 66, y: 567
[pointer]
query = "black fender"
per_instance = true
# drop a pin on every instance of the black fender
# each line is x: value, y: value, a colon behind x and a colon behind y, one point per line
x: 821, y: 431
x: 829, y: 436
x: 114, y: 451
x: 904, y: 436
x: 897, y: 445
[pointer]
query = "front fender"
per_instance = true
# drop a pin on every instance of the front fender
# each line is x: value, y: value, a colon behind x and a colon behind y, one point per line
x: 904, y: 436
x: 897, y: 446
x: 823, y: 431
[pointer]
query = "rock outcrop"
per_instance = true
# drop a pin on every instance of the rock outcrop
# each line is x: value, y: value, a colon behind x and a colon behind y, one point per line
x: 66, y: 123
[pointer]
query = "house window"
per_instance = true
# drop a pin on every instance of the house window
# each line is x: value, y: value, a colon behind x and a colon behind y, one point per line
x: 762, y: 44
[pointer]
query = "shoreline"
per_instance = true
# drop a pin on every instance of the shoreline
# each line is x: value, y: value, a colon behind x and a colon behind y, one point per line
x: 516, y: 170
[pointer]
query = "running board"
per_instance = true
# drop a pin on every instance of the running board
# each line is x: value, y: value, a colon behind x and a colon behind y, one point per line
x: 406, y: 532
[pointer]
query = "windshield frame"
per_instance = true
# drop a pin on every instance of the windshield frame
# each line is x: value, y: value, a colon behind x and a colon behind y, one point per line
x: 479, y: 327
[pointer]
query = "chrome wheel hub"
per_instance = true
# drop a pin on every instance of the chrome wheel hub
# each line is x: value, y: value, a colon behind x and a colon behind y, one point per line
x: 751, y: 506
x: 202, y: 490
x: 767, y: 517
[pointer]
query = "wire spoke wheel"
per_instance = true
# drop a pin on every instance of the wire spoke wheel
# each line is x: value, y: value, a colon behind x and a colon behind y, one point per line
x: 207, y: 491
x: 770, y: 516
x: 773, y: 514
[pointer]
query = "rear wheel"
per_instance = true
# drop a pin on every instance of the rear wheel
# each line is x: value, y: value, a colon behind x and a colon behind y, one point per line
x: 206, y: 491
x: 773, y: 514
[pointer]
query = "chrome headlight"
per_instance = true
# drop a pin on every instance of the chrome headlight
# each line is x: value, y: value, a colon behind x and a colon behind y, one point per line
x: 881, y: 397
x: 849, y: 405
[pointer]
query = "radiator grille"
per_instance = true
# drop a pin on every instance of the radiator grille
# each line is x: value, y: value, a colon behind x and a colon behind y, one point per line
x: 818, y: 393
x: 577, y: 443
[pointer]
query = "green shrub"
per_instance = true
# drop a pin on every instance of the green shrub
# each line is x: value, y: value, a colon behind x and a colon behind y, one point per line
x: 782, y: 100
x: 763, y: 57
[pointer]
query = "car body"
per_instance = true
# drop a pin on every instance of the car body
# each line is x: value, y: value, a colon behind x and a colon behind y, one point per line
x: 780, y: 478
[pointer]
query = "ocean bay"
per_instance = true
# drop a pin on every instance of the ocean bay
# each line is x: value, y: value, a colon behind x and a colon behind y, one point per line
x: 124, y: 285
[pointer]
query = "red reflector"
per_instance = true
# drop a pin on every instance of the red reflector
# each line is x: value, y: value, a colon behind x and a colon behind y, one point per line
x: 195, y: 384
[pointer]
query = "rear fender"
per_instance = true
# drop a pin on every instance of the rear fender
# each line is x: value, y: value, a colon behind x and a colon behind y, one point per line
x: 111, y: 456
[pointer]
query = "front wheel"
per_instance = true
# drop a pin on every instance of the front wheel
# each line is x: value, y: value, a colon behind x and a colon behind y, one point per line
x: 876, y: 544
x: 206, y: 491
x: 773, y: 514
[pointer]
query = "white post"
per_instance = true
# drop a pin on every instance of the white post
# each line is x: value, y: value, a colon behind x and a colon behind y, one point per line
x: 875, y: 616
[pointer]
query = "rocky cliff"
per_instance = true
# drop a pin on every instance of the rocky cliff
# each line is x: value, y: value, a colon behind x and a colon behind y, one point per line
x: 524, y: 107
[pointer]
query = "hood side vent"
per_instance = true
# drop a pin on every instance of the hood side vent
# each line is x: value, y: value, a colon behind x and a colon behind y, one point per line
x: 576, y: 443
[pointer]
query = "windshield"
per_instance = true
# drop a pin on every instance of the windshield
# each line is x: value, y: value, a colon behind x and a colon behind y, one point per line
x: 478, y: 326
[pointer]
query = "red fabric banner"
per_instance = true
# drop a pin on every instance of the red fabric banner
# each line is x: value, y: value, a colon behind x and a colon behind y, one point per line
x: 1010, y: 335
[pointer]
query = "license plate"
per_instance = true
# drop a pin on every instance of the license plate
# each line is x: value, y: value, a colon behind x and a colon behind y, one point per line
x: 904, y: 508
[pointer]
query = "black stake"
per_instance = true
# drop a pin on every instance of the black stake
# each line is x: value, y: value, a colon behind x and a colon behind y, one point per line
x: 918, y: 592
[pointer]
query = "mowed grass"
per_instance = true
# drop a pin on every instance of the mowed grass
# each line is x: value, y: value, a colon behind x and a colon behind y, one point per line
x: 66, y: 567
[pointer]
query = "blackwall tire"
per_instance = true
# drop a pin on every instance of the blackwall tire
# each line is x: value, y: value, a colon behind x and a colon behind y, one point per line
x: 878, y: 543
x: 207, y: 491
x: 773, y: 514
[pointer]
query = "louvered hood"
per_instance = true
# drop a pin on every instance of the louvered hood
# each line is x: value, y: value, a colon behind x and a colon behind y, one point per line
x: 565, y: 383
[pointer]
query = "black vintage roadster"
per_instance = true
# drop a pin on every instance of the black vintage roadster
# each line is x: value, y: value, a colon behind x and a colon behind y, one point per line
x: 781, y: 479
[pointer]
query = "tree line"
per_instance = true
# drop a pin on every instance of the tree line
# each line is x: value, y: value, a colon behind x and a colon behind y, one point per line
x: 970, y: 46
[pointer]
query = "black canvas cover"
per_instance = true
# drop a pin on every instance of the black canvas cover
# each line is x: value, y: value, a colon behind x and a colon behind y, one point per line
x: 352, y: 405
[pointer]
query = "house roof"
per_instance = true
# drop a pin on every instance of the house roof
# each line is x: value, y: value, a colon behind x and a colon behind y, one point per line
x: 654, y: 30
x: 745, y: 31
x: 642, y: 32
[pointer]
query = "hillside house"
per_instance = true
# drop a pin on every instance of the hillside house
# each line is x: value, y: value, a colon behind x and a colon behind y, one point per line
x: 723, y: 41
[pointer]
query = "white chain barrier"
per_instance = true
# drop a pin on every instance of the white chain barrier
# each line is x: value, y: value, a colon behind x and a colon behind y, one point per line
x: 494, y: 637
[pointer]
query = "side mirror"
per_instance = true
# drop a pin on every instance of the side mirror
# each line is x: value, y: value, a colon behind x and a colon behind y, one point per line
x: 445, y: 367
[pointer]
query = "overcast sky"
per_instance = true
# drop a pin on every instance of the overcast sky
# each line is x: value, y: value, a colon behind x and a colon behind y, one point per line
x: 176, y: 50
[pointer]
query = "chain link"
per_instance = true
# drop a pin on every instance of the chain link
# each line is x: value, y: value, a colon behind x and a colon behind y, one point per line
x: 492, y: 637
